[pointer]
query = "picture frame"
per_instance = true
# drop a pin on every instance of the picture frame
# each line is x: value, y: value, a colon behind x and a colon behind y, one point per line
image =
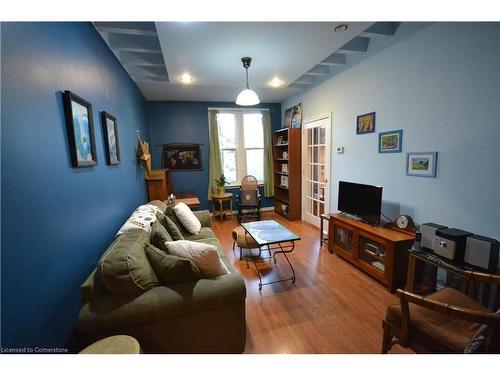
x: 390, y: 141
x: 182, y: 157
x: 80, y: 129
x: 421, y: 164
x: 111, y: 140
x: 297, y: 116
x: 284, y: 168
x: 280, y: 140
x: 285, y: 155
x: 287, y: 119
x: 365, y: 123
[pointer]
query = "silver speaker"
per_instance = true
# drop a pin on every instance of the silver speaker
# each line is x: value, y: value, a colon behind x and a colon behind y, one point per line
x: 482, y: 252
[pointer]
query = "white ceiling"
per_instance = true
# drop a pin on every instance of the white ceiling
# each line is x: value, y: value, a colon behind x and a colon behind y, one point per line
x: 211, y: 52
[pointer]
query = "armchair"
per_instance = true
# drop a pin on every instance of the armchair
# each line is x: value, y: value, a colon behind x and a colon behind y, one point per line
x: 447, y: 321
x: 248, y: 198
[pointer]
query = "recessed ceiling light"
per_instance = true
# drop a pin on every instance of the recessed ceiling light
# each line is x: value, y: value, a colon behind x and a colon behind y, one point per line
x: 186, y: 78
x: 340, y: 28
x: 275, y: 82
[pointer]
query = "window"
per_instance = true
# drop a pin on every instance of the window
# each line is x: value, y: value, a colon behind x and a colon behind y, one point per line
x: 241, y: 139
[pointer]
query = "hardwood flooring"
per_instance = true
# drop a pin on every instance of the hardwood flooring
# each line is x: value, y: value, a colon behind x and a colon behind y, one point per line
x: 332, y: 307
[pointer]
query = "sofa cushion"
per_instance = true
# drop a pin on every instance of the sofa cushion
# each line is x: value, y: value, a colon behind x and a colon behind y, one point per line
x: 204, y: 233
x: 438, y: 331
x: 187, y: 218
x: 214, y: 242
x: 162, y: 206
x: 170, y: 226
x: 205, y: 256
x: 159, y: 235
x: 171, y: 269
x: 169, y: 212
x: 141, y: 218
x: 124, y: 268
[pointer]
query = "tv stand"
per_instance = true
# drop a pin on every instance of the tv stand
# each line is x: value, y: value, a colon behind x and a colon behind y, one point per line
x: 380, y: 252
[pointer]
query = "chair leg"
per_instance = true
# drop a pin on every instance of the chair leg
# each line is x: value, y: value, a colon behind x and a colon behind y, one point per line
x: 387, y: 338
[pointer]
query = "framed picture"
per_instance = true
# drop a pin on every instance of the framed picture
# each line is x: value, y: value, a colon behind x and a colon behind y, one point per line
x: 297, y: 116
x: 287, y: 119
x: 182, y: 157
x: 110, y: 131
x: 284, y: 168
x: 422, y: 164
x: 80, y: 127
x: 390, y: 141
x: 365, y: 123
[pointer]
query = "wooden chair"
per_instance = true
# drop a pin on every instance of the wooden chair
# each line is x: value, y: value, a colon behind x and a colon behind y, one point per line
x: 248, y: 198
x: 442, y: 322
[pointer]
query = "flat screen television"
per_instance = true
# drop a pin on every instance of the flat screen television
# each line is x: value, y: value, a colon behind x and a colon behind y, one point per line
x: 364, y: 201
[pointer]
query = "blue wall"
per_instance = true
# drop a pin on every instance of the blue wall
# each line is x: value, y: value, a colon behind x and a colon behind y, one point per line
x: 172, y: 122
x: 440, y: 84
x: 56, y: 220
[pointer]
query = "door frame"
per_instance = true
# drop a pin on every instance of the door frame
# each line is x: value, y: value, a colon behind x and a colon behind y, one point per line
x: 328, y: 160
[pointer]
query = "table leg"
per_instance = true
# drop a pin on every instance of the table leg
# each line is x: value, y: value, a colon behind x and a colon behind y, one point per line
x: 221, y: 203
x: 410, y: 280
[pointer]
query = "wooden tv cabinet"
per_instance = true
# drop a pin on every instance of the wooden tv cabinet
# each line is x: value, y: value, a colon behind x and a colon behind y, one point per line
x: 380, y: 252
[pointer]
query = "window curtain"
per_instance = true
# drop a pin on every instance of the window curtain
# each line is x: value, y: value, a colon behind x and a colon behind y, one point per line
x: 268, y: 154
x: 215, y: 167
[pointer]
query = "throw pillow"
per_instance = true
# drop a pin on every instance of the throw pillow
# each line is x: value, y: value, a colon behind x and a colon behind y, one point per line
x: 169, y: 212
x: 203, y: 255
x: 124, y: 268
x: 159, y: 235
x: 187, y: 218
x: 171, y: 269
x: 170, y: 226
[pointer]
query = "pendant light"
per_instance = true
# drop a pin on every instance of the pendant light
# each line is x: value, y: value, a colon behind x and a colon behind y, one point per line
x: 247, y: 96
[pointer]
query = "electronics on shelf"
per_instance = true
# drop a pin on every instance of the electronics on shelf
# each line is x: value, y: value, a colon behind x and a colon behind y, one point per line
x: 364, y: 201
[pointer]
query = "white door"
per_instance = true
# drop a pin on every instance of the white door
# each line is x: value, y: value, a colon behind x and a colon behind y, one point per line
x: 316, y: 149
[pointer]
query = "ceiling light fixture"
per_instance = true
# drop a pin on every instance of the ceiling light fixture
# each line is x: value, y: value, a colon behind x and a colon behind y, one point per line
x: 247, y: 96
x: 340, y: 28
x: 275, y: 82
x: 186, y: 78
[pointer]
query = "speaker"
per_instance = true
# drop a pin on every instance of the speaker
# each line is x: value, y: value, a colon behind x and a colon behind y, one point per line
x: 482, y: 252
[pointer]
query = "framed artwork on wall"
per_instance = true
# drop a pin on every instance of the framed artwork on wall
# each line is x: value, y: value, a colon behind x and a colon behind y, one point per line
x: 365, y: 123
x: 391, y: 141
x: 287, y: 119
x: 80, y: 127
x: 110, y: 131
x: 421, y: 164
x: 297, y: 116
x: 181, y: 157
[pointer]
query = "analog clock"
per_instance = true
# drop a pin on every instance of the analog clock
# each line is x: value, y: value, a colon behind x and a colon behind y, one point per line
x: 405, y: 222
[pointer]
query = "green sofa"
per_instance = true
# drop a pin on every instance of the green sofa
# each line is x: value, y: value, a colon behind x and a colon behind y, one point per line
x: 204, y: 316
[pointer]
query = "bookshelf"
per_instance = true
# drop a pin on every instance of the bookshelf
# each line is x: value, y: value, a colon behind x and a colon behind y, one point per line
x: 287, y: 175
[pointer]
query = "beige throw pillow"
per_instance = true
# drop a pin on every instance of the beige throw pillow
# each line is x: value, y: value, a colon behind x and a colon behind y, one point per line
x: 187, y: 218
x: 203, y: 255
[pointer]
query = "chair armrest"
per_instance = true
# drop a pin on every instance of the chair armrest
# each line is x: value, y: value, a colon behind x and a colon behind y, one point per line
x: 204, y: 218
x: 162, y: 303
x: 443, y: 308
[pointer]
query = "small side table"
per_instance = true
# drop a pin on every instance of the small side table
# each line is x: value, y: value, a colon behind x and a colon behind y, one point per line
x: 220, y: 199
x: 322, y: 238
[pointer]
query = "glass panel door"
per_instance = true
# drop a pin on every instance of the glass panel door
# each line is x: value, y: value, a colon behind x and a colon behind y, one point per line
x: 316, y: 167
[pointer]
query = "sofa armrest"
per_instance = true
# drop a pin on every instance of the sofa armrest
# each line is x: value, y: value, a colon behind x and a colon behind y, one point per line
x: 204, y: 218
x: 162, y: 303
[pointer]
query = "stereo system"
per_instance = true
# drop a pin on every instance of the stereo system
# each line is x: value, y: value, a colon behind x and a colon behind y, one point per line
x: 461, y: 246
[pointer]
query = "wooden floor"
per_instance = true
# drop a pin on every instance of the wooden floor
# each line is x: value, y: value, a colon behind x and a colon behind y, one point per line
x: 332, y: 307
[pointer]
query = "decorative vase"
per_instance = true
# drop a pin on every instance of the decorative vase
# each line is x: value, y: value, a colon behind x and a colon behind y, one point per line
x: 221, y: 190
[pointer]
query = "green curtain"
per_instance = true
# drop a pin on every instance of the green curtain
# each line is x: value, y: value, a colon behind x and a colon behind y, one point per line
x: 268, y: 155
x: 215, y: 168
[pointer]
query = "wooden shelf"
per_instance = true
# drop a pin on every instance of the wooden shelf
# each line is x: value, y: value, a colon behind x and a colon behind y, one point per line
x: 290, y: 196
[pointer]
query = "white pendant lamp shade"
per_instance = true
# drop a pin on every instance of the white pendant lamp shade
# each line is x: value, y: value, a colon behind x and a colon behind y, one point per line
x: 247, y: 96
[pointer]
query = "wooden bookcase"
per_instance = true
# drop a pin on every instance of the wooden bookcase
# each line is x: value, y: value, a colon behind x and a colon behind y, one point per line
x: 287, y: 195
x: 380, y: 252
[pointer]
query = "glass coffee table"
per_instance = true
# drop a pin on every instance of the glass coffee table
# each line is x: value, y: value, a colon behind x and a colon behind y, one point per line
x: 275, y: 238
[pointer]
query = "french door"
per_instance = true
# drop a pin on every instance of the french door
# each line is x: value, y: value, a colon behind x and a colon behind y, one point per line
x: 316, y: 147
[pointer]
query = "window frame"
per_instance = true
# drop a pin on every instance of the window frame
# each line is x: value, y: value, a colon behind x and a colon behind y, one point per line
x: 240, y: 150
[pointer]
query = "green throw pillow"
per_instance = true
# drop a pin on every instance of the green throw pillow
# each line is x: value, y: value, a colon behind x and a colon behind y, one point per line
x: 159, y: 235
x: 170, y: 226
x: 171, y: 269
x: 169, y: 212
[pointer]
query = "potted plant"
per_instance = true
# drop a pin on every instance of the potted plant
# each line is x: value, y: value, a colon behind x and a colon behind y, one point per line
x: 221, y: 183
